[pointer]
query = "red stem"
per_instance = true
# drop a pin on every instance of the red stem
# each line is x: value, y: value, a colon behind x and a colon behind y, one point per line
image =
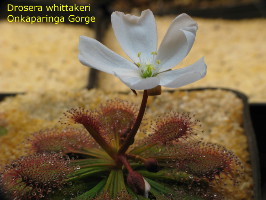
x: 101, y: 141
x: 130, y: 138
x: 125, y: 162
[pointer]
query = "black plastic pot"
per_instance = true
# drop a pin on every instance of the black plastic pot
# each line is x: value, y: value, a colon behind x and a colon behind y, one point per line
x: 4, y: 95
x: 247, y: 11
x: 258, y: 116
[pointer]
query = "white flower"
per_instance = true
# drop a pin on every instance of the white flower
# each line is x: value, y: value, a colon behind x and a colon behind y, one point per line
x: 147, y: 188
x: 138, y: 38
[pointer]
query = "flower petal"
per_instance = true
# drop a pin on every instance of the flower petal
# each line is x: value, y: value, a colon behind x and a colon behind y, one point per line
x: 147, y: 188
x: 133, y: 80
x: 183, y: 76
x: 177, y: 42
x: 94, y: 54
x: 136, y: 34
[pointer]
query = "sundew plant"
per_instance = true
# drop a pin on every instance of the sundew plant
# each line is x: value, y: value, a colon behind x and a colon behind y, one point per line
x: 106, y: 159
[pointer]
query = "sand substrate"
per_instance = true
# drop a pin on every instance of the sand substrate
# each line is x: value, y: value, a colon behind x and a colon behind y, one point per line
x: 37, y: 57
x: 220, y: 113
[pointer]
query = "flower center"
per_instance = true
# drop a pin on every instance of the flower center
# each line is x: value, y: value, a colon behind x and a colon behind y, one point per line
x: 149, y: 67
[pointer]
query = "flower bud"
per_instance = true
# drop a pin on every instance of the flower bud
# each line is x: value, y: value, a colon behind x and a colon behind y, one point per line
x: 138, y: 184
x: 151, y: 165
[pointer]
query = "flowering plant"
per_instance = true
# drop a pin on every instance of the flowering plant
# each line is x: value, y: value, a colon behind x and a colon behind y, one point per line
x: 105, y: 159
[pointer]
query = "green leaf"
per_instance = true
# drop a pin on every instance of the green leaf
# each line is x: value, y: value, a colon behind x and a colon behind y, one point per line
x: 91, y: 162
x: 3, y: 131
x: 92, y: 192
x: 141, y: 148
x: 137, y: 197
x: 98, y: 153
x: 158, y: 187
x: 120, y: 181
x: 86, y: 172
x: 115, y: 183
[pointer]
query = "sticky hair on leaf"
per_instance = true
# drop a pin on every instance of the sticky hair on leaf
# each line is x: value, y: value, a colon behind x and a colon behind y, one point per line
x: 207, y: 160
x: 191, y: 193
x: 31, y: 177
x: 82, y: 116
x: 117, y: 117
x: 61, y: 140
x: 172, y: 128
x: 78, y: 116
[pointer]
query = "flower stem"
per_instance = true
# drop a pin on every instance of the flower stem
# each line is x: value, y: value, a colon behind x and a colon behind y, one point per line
x: 125, y: 162
x: 130, y: 138
x: 101, y: 141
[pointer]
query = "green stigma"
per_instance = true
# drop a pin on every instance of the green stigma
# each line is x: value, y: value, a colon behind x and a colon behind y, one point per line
x: 147, y: 71
x: 148, y: 66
